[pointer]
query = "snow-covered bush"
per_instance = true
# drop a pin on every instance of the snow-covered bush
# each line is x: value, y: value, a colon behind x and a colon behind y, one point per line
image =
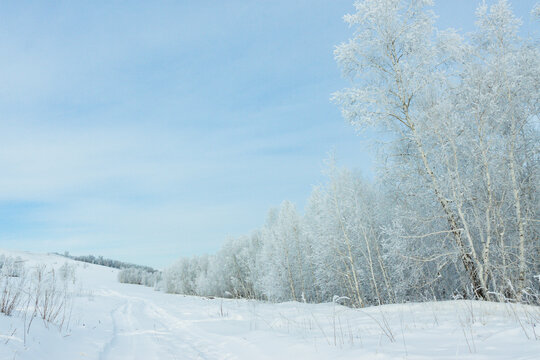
x: 67, y: 272
x: 13, y: 284
x: 139, y: 276
x: 11, y: 266
x: 38, y: 292
x: 50, y: 295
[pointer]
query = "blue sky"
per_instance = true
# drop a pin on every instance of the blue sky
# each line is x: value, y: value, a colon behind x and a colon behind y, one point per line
x: 146, y: 130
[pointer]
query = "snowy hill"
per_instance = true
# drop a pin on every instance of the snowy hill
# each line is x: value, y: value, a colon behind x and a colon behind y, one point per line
x: 103, y: 319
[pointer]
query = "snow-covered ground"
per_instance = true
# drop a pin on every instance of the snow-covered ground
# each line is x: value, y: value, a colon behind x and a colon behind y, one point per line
x: 109, y: 320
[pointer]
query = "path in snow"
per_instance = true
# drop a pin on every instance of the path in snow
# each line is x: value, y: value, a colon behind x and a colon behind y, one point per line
x: 142, y: 330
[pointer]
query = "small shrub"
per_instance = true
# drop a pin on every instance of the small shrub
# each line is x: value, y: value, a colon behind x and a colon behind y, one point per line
x: 138, y: 276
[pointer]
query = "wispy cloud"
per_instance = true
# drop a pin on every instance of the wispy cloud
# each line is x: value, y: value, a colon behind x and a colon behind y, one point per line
x: 146, y: 130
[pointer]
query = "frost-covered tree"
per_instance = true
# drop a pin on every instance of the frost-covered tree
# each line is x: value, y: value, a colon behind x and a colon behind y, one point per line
x: 463, y: 115
x: 344, y: 226
x: 232, y: 270
x: 285, y: 256
x: 131, y: 275
x: 455, y: 209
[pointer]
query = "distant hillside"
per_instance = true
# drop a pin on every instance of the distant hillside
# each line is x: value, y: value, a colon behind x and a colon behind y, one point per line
x: 100, y: 260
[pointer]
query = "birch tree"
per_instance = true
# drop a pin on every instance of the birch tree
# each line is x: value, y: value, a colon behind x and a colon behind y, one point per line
x: 344, y: 225
x: 464, y: 119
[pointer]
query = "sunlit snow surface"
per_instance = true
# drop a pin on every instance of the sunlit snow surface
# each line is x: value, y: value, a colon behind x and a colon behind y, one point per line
x: 110, y: 320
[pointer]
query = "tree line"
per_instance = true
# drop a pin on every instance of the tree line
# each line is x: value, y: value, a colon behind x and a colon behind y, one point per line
x: 115, y: 264
x: 454, y: 210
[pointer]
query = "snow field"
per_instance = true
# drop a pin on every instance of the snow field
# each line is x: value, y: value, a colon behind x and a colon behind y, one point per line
x: 109, y: 320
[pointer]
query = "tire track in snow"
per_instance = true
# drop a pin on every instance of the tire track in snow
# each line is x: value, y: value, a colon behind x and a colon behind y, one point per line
x: 103, y: 355
x: 182, y: 340
x: 224, y: 345
x: 143, y: 330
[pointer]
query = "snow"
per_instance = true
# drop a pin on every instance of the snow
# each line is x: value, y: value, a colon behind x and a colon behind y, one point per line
x: 110, y: 320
